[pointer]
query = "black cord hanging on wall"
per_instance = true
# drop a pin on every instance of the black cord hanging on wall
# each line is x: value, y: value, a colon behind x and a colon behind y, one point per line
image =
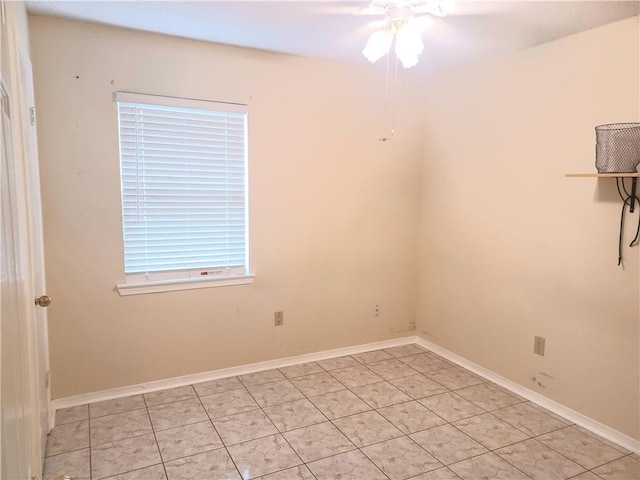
x: 618, y: 151
x: 628, y: 200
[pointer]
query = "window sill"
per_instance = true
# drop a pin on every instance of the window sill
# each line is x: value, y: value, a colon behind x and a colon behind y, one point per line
x: 171, y: 285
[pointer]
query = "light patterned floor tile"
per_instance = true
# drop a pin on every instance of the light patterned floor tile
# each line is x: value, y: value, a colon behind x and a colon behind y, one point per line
x: 381, y: 394
x: 338, y: 363
x: 372, y: 356
x: 228, y: 403
x: 488, y: 396
x: 346, y: 466
x: 408, y: 403
x: 529, y: 419
x: 318, y: 441
x: 367, y: 428
x: 68, y: 437
x: 275, y: 393
x: 586, y: 476
x: 448, y: 444
x: 168, y: 396
x: 440, y: 474
x: 72, y: 414
x: 455, y: 378
x: 154, y: 472
x: 177, y: 414
x: 490, y: 431
x: 451, y: 406
x: 296, y: 473
x: 216, y: 464
x: 124, y: 456
x: 401, y: 458
x: 579, y: 447
x: 187, y: 440
x: 611, y: 444
x: 539, y: 461
x: 339, y: 404
x: 292, y: 415
x: 487, y: 467
x: 317, y: 384
x: 76, y: 464
x: 403, y: 350
x: 418, y: 386
x: 117, y: 405
x: 355, y: 376
x: 626, y: 468
x: 424, y: 363
x: 261, y: 377
x: 244, y: 426
x: 217, y: 386
x: 411, y: 417
x: 301, y: 370
x: 119, y: 426
x: 263, y: 456
x: 390, y: 369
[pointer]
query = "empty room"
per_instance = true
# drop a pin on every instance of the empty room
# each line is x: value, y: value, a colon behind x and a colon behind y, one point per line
x: 320, y: 240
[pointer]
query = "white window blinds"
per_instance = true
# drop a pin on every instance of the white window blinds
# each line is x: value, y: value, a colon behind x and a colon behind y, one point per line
x: 184, y: 198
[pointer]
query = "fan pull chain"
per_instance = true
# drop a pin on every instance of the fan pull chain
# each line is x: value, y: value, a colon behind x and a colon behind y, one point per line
x: 390, y: 104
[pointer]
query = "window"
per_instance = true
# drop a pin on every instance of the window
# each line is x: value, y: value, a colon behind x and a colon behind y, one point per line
x: 183, y: 166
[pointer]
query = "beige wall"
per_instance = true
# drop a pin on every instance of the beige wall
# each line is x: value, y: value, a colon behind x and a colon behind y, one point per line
x: 333, y: 210
x: 509, y: 247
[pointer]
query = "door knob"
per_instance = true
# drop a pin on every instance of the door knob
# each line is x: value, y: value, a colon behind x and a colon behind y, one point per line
x: 43, y: 301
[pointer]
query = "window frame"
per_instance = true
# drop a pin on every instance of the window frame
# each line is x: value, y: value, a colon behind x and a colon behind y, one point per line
x: 187, y: 278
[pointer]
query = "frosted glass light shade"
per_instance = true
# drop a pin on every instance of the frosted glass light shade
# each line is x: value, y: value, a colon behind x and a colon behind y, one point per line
x: 378, y: 45
x: 409, y: 44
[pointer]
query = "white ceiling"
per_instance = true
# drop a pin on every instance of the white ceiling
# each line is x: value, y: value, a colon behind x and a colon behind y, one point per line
x: 331, y: 30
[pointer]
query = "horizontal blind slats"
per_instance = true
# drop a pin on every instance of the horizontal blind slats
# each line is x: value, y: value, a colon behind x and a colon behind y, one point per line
x: 183, y: 188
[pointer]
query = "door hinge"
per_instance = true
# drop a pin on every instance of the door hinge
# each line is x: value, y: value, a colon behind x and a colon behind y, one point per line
x: 32, y: 116
x: 47, y: 379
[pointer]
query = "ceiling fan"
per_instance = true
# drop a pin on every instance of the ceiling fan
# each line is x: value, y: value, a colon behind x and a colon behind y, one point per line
x: 401, y: 26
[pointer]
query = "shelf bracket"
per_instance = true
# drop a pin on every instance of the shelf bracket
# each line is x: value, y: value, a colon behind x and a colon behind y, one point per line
x: 634, y: 187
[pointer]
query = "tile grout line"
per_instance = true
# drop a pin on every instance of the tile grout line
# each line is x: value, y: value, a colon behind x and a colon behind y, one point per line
x: 217, y: 433
x: 337, y: 428
x: 155, y: 437
x: 90, y: 446
x: 278, y: 430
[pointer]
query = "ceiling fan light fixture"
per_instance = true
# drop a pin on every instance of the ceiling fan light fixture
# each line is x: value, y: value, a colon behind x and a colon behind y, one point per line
x: 378, y: 45
x: 404, y: 29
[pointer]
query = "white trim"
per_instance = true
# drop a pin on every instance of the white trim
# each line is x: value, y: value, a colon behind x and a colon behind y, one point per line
x: 223, y: 373
x: 156, y: 286
x: 579, y: 419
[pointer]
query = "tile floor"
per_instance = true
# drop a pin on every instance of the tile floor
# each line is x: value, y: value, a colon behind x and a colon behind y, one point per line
x: 398, y: 413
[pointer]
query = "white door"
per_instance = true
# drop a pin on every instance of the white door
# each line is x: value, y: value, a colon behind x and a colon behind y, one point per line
x: 23, y: 330
x: 15, y: 420
x: 34, y: 210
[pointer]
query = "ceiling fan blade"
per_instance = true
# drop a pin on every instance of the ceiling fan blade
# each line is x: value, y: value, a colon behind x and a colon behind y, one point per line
x: 371, y: 9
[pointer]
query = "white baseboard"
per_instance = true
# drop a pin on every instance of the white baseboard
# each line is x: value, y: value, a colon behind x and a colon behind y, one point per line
x: 579, y: 419
x: 156, y: 385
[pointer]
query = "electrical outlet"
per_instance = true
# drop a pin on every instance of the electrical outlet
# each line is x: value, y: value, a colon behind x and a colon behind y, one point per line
x: 376, y: 310
x: 278, y: 319
x: 538, y: 346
